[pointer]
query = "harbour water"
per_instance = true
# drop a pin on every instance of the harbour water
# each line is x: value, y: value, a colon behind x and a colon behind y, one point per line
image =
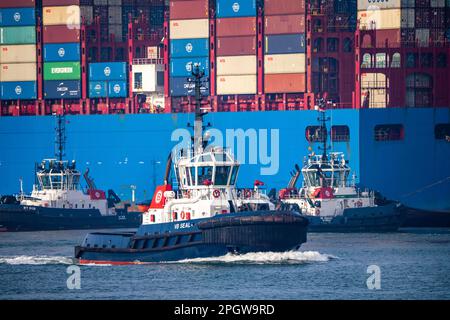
x: 414, y: 264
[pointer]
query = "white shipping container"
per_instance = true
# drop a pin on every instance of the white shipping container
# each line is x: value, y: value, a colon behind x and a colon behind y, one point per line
x: 437, y: 3
x: 242, y: 84
x: 115, y: 15
x: 285, y: 63
x: 408, y: 18
x: 87, y: 12
x: 235, y: 65
x: 373, y: 88
x: 189, y: 29
x: 145, y: 78
x: 380, y: 19
x: 65, y: 15
x: 423, y: 37
x: 18, y: 53
x: 18, y: 72
x: 380, y: 4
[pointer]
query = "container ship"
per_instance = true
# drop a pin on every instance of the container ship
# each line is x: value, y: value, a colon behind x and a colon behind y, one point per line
x: 119, y: 70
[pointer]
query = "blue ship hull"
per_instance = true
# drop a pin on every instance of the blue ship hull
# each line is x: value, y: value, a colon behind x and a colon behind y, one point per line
x: 260, y: 231
x: 14, y: 217
x: 413, y: 170
x: 387, y: 218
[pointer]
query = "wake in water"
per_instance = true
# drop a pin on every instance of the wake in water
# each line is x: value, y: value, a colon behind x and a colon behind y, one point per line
x: 36, y: 260
x: 290, y: 257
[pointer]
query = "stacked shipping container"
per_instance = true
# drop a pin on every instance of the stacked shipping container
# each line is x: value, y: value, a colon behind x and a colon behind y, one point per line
x: 284, y: 62
x: 397, y: 35
x: 18, y: 50
x: 62, y: 72
x: 108, y: 80
x: 236, y: 58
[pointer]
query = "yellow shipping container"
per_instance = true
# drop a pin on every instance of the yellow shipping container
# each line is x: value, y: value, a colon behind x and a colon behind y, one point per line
x: 18, y: 53
x: 380, y: 19
x: 284, y: 63
x: 243, y: 84
x: 189, y: 29
x: 236, y: 65
x: 67, y: 15
x: 18, y: 72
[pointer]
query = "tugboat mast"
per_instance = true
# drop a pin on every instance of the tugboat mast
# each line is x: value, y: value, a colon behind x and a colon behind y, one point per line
x: 60, y: 139
x: 323, y: 129
x: 198, y: 74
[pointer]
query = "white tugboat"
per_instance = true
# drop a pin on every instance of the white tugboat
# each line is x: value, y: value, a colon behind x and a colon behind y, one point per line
x: 206, y: 216
x: 58, y: 202
x: 330, y: 199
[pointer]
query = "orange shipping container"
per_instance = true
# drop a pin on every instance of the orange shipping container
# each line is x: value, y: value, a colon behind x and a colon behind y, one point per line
x: 284, y: 24
x: 227, y: 27
x: 242, y: 84
x: 67, y: 15
x: 289, y: 83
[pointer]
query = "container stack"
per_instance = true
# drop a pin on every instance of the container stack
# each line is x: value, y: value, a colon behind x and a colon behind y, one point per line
x: 400, y: 23
x: 236, y: 58
x: 18, y: 50
x: 62, y: 72
x: 108, y: 80
x: 189, y: 44
x: 285, y: 47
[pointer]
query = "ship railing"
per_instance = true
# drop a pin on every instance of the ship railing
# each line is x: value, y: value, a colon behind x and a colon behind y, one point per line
x: 141, y: 61
x: 248, y: 194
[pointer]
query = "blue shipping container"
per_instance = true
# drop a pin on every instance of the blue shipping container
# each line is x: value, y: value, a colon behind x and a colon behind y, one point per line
x: 104, y: 71
x: 182, y: 67
x: 235, y: 8
x: 62, y: 89
x: 17, y: 17
x: 285, y: 43
x: 18, y: 90
x: 98, y: 89
x: 57, y: 52
x: 180, y: 87
x: 184, y: 48
x: 117, y: 89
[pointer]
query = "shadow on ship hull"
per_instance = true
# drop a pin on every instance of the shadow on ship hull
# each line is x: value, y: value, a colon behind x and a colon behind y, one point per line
x: 244, y: 232
x: 387, y: 218
x: 14, y: 217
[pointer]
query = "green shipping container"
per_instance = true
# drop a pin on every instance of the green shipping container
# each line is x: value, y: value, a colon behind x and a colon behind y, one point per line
x: 62, y: 71
x: 18, y: 35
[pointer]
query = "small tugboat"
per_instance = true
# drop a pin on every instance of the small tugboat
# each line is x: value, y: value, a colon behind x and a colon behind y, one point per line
x: 206, y: 216
x: 330, y: 199
x: 57, y: 201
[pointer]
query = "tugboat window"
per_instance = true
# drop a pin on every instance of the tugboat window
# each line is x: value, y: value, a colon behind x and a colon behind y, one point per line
x: 222, y: 174
x: 204, y: 173
x: 234, y: 175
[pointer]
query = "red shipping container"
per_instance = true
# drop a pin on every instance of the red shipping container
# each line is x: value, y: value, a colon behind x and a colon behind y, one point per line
x: 197, y: 9
x: 17, y: 3
x: 236, y: 46
x: 284, y: 24
x: 50, y: 3
x: 60, y: 34
x: 273, y: 7
x: 226, y: 27
x: 390, y: 38
x: 281, y: 83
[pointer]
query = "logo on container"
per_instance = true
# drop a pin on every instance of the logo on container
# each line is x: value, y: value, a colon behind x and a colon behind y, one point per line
x: 116, y: 88
x: 18, y: 90
x: 189, y: 66
x: 189, y: 47
x: 98, y: 87
x: 236, y: 7
x: 107, y: 71
x: 61, y: 52
x: 61, y: 88
x: 17, y: 17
